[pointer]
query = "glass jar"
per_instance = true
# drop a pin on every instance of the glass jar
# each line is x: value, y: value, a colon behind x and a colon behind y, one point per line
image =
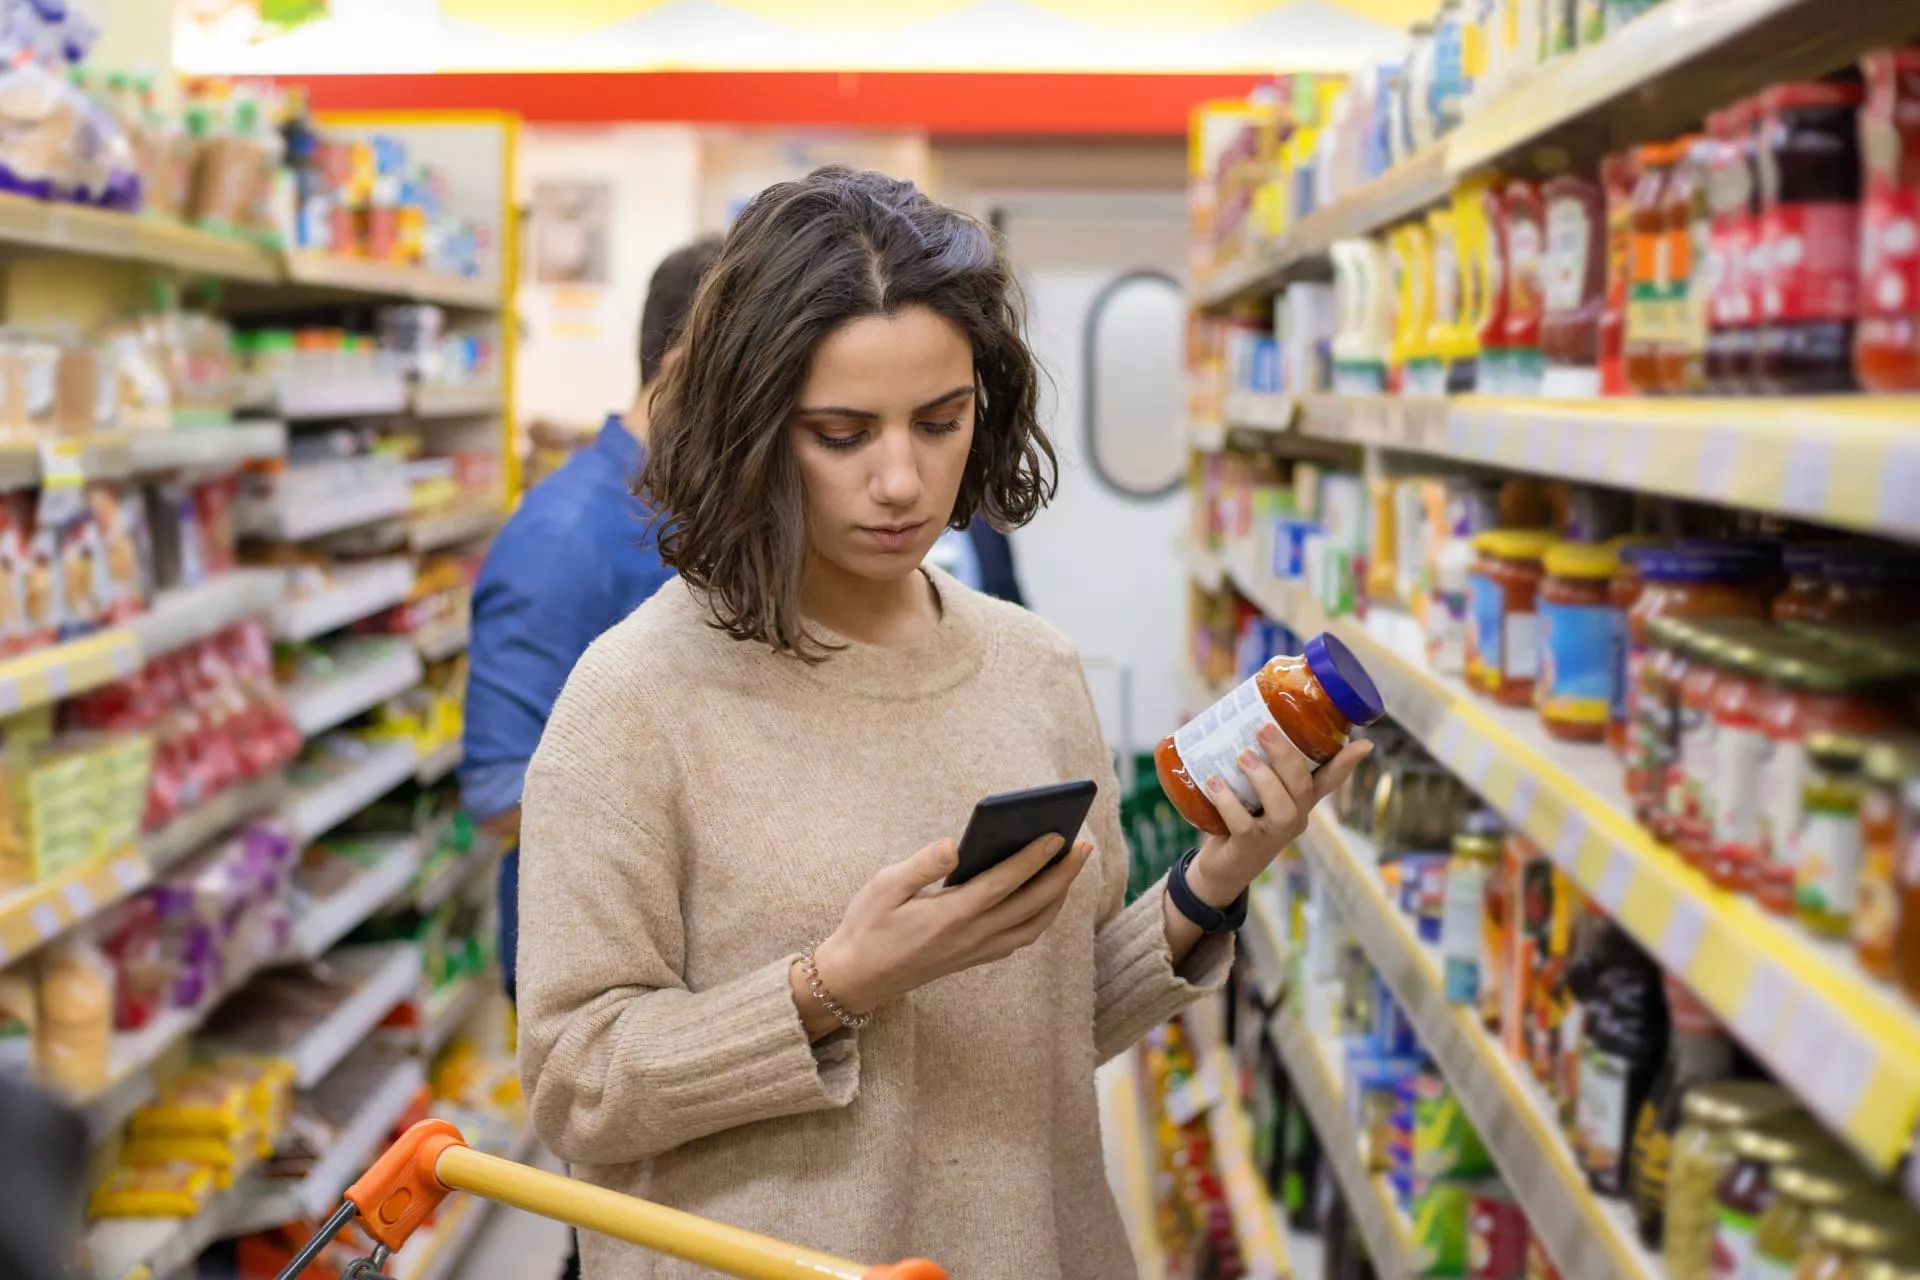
x: 1746, y: 1189
x: 1581, y: 632
x: 1683, y: 357
x: 1806, y: 585
x: 1876, y: 911
x: 1785, y: 1228
x: 1315, y: 700
x: 1811, y: 689
x: 1702, y: 1154
x: 1828, y: 872
x: 1906, y: 946
x: 1809, y: 166
x: 1701, y: 580
x: 1847, y: 1238
x: 1656, y: 717
x: 1622, y: 593
x: 1690, y: 779
x: 1619, y: 174
x: 1868, y: 586
x: 1735, y: 704
x: 1503, y: 640
x: 1645, y: 287
x: 1886, y: 348
x: 1734, y: 196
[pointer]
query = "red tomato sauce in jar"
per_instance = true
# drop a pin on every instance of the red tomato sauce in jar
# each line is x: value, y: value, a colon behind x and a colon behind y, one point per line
x: 1315, y: 699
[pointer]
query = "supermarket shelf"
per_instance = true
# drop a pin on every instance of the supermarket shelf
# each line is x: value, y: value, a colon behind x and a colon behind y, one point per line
x: 1395, y: 195
x: 451, y: 528
x: 380, y: 279
x: 208, y: 448
x: 129, y: 1248
x: 1125, y: 1126
x: 456, y: 873
x: 1752, y: 43
x: 199, y: 827
x: 98, y: 233
x: 454, y: 399
x: 1263, y: 942
x: 439, y: 763
x: 1852, y: 462
x: 313, y: 399
x: 326, y: 921
x: 1260, y: 410
x: 42, y: 912
x: 442, y: 640
x: 371, y: 671
x: 293, y: 520
x: 312, y: 811
x: 436, y: 1253
x: 1256, y: 1225
x: 358, y: 591
x: 387, y: 974
x: 1316, y: 1080
x: 62, y: 670
x: 376, y: 1091
x: 1587, y: 1237
x: 182, y: 615
x: 446, y: 1011
x: 1848, y: 1045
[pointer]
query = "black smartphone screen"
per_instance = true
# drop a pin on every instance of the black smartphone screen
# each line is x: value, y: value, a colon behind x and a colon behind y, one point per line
x: 1005, y: 824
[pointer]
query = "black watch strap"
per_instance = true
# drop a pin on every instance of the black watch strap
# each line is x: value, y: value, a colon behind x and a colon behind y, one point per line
x: 1188, y: 903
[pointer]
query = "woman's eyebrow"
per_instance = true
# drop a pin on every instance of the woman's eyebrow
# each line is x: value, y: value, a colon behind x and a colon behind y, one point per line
x: 868, y: 415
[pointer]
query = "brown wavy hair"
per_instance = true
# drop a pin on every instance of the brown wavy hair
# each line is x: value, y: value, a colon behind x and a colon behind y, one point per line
x: 803, y: 259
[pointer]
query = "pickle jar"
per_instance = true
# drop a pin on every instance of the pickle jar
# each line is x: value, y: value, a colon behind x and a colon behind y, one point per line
x: 1746, y: 1189
x: 1801, y: 1190
x: 1701, y: 1155
x: 1830, y: 844
x: 1846, y: 1238
x: 1876, y: 899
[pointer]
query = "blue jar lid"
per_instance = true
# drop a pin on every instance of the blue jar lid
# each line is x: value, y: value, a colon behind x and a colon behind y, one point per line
x: 1701, y: 562
x: 1345, y: 680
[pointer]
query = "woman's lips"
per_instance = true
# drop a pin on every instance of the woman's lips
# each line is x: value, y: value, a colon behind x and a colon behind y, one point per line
x: 893, y: 537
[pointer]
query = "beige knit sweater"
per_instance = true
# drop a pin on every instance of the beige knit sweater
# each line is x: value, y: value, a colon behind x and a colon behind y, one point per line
x: 700, y: 810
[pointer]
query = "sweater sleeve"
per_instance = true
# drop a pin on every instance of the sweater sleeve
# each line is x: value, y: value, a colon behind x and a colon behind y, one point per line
x: 1136, y: 986
x: 620, y: 1060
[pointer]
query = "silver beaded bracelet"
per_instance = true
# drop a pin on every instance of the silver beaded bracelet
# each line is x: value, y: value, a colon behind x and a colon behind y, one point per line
x: 851, y: 1021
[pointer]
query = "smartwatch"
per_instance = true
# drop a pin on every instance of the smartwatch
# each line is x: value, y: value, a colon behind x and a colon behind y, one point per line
x: 1188, y: 904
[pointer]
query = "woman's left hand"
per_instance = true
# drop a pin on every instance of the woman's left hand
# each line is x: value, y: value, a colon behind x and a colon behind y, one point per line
x: 1288, y: 789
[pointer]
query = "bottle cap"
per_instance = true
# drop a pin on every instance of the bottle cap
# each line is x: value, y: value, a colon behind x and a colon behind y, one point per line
x: 1345, y: 680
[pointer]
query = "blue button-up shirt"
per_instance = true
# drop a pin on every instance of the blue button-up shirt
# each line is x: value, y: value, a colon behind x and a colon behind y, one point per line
x: 577, y: 557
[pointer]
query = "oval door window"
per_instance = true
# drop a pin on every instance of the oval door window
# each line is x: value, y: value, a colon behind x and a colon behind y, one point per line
x: 1131, y: 406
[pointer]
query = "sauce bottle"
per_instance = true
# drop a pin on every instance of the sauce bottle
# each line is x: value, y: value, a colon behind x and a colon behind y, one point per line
x: 1733, y: 196
x: 1623, y: 1045
x: 1495, y: 274
x: 1526, y: 237
x: 1618, y: 175
x: 1809, y: 165
x: 1886, y: 350
x: 1573, y: 278
x: 1699, y: 1052
x: 1683, y: 355
x: 1648, y: 272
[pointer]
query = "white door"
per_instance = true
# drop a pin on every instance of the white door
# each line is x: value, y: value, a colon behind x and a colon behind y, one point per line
x: 1107, y: 319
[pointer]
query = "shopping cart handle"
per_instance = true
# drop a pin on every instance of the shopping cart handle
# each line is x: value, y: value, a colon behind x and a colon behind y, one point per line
x: 913, y: 1269
x: 403, y: 1188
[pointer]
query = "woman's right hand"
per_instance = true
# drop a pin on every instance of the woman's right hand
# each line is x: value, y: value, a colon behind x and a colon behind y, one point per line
x: 901, y: 932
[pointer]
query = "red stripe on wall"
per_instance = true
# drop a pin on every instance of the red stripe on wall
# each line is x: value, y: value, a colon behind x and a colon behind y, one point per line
x: 936, y: 102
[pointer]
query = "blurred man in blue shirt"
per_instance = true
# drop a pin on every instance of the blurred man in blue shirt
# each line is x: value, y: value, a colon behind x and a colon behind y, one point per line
x: 577, y: 557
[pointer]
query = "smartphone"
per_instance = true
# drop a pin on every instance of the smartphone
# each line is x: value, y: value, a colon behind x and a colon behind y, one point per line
x: 1005, y: 824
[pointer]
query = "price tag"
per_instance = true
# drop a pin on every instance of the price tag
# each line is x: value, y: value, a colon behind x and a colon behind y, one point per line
x: 1900, y: 487
x: 1566, y: 847
x: 1804, y: 488
x: 9, y: 696
x: 125, y: 660
x: 1680, y: 939
x: 1596, y: 448
x: 46, y: 921
x: 1566, y: 449
x: 1536, y: 446
x: 1719, y: 453
x: 1614, y: 879
x: 62, y: 463
x: 1479, y: 760
x: 1630, y: 461
x: 129, y: 874
x: 1839, y: 1062
x: 79, y: 901
x: 1523, y: 792
x: 1761, y: 1009
x: 57, y: 682
x: 1461, y: 425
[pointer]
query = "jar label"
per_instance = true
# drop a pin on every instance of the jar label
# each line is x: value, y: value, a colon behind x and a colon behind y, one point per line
x: 1739, y: 750
x: 1767, y: 1267
x: 1890, y: 252
x: 1580, y: 650
x: 1210, y: 744
x: 1601, y: 1113
x: 1733, y: 248
x: 1829, y: 866
x: 1733, y: 1243
x: 1812, y: 262
x: 1691, y: 795
x: 1782, y: 776
x: 1487, y: 602
x: 1563, y: 269
x: 1520, y: 646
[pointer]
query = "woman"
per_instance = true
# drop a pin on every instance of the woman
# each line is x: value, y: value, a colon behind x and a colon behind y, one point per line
x: 745, y: 767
